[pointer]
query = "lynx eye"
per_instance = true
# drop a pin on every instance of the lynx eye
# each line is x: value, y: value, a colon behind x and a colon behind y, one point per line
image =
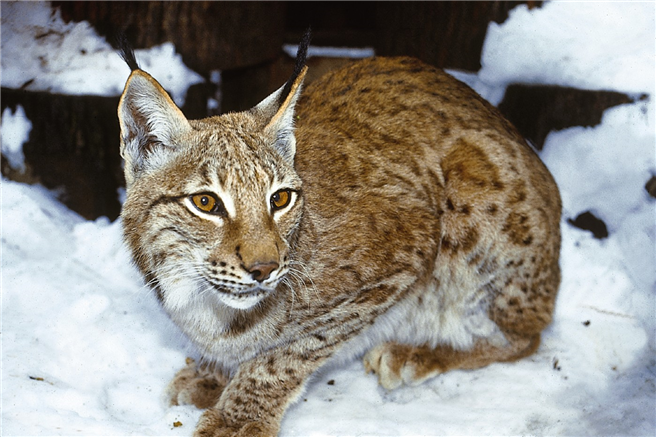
x: 208, y: 203
x: 280, y: 199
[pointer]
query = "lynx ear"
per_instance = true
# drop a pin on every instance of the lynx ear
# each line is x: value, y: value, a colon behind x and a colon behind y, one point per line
x: 277, y: 113
x: 277, y: 110
x: 150, y: 122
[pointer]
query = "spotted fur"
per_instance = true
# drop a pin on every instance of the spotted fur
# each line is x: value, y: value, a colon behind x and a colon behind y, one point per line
x: 421, y: 228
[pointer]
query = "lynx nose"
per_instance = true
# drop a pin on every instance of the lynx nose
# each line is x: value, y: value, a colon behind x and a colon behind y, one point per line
x: 261, y: 271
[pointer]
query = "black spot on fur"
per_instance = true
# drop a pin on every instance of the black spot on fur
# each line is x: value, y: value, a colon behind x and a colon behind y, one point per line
x: 492, y: 209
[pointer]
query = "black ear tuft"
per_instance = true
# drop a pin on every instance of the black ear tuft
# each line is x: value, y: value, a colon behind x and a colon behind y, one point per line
x: 301, y: 56
x: 126, y: 52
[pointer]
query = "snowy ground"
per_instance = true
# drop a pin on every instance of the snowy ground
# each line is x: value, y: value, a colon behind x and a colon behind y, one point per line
x: 87, y: 351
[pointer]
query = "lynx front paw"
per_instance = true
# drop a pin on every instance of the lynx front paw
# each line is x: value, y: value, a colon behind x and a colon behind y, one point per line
x: 196, y: 385
x: 397, y: 364
x: 212, y: 424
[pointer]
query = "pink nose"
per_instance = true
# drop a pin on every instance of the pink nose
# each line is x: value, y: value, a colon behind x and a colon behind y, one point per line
x: 261, y: 271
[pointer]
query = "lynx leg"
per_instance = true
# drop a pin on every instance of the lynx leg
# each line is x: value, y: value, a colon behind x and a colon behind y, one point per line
x: 196, y: 384
x: 397, y: 364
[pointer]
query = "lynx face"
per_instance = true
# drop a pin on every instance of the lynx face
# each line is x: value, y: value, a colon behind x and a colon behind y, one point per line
x: 212, y: 205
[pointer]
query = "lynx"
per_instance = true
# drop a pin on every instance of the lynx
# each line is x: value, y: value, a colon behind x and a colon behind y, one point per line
x: 387, y: 212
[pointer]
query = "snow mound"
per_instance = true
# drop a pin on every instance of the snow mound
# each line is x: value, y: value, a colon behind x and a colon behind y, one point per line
x: 606, y: 47
x: 40, y: 52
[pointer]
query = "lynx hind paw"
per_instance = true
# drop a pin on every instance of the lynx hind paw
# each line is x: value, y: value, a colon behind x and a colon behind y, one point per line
x: 196, y: 385
x: 397, y: 364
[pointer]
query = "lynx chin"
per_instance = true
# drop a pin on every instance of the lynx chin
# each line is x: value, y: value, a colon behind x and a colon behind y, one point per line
x: 385, y: 212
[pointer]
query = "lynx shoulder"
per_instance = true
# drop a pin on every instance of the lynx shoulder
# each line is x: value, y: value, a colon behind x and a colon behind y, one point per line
x: 387, y: 211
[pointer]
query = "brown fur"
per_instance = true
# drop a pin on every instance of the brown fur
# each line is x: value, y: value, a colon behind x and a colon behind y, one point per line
x: 398, y: 364
x: 197, y: 384
x: 422, y: 228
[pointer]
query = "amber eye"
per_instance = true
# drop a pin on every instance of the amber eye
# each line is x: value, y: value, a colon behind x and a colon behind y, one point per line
x: 280, y: 199
x: 208, y: 203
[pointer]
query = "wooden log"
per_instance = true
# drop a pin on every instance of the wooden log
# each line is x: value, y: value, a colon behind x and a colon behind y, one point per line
x: 242, y: 39
x: 536, y: 110
x: 445, y: 34
x: 73, y: 147
x: 209, y: 35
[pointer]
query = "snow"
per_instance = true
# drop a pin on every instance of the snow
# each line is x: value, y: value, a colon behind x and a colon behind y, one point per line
x: 70, y: 58
x: 87, y: 351
x: 15, y: 131
x: 331, y: 52
x: 605, y: 46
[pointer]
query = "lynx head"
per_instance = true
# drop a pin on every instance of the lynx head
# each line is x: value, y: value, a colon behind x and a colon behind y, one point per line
x: 212, y: 205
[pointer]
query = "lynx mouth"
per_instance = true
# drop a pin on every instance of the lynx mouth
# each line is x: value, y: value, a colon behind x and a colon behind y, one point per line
x: 242, y: 299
